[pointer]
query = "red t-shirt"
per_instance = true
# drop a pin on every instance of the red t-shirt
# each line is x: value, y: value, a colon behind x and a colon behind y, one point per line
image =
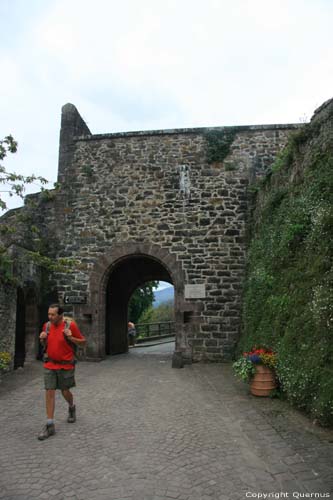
x: 58, y: 348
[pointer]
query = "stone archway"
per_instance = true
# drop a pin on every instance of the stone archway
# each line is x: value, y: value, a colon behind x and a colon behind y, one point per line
x: 124, y: 277
x: 114, y: 278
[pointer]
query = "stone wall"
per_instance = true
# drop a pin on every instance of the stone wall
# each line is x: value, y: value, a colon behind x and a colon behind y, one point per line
x: 129, y: 188
x: 8, y: 319
x: 20, y: 299
x: 150, y: 205
x: 288, y: 291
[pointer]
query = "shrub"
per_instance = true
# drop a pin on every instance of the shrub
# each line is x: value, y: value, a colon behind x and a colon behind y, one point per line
x: 5, y: 360
x: 288, y: 290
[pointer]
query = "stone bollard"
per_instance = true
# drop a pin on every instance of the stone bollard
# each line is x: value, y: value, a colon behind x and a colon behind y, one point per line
x: 177, y: 360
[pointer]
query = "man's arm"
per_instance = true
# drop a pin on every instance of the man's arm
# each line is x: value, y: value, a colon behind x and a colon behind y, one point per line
x: 74, y: 335
x: 80, y: 342
x: 43, y: 337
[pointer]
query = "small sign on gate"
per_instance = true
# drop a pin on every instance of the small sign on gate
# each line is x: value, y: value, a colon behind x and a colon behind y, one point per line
x: 75, y: 299
x: 195, y: 291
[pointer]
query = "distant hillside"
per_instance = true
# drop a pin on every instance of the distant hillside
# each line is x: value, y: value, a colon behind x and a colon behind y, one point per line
x: 162, y: 296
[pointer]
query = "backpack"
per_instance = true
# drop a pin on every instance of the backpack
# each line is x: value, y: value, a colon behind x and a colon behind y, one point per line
x: 73, y: 346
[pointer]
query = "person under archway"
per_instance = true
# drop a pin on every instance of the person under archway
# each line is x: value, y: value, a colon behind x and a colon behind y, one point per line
x: 131, y: 331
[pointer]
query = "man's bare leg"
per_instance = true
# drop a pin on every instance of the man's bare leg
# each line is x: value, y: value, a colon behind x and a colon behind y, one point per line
x: 49, y: 429
x: 50, y: 403
x: 68, y: 396
x: 71, y: 408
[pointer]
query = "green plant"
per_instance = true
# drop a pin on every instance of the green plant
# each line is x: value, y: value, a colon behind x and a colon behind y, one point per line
x: 5, y: 360
x: 164, y: 312
x: 219, y: 143
x: 229, y: 167
x: 245, y: 366
x: 6, y: 267
x: 244, y: 369
x: 87, y: 170
x: 18, y: 229
x: 288, y: 289
x: 14, y: 184
x: 141, y: 300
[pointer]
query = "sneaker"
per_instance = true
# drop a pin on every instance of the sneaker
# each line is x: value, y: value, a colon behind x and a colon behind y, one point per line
x: 71, y: 414
x: 48, y: 430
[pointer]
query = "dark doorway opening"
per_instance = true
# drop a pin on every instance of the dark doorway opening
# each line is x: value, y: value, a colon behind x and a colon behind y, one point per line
x: 19, y: 356
x: 125, y: 276
x: 27, y: 326
x: 31, y: 325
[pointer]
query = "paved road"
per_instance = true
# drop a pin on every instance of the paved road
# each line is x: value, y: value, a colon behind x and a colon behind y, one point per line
x: 146, y: 431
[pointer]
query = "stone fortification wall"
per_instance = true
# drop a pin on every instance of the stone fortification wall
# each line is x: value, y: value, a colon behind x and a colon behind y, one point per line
x: 21, y: 283
x: 159, y: 187
x: 8, y: 319
x: 161, y: 197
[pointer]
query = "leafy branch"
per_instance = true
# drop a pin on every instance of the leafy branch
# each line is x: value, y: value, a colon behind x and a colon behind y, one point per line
x: 14, y: 184
x: 19, y: 234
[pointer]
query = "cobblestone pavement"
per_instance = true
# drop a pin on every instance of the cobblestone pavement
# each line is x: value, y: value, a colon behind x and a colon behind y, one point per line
x: 146, y: 431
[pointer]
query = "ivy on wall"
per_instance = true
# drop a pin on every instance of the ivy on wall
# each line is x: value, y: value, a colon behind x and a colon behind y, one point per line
x: 288, y: 293
x: 219, y: 143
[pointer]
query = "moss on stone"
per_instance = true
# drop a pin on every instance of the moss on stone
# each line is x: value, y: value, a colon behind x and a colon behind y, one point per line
x: 219, y: 143
x: 287, y: 302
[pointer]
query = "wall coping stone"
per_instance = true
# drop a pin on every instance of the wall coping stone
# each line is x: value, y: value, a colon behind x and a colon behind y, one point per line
x: 199, y: 130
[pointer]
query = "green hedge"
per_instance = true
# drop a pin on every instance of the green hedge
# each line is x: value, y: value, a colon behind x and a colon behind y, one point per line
x: 288, y: 302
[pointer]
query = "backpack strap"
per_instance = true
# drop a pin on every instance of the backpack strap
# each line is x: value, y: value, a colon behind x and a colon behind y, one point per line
x: 44, y: 344
x: 71, y: 344
x: 47, y: 331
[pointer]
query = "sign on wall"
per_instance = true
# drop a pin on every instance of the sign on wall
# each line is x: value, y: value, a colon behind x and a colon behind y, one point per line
x: 74, y: 299
x: 195, y: 291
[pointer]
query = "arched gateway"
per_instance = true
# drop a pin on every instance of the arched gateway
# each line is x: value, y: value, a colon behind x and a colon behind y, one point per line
x: 167, y: 205
x: 113, y: 280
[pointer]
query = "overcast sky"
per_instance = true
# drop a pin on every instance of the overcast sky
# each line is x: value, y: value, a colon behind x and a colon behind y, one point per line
x: 152, y: 64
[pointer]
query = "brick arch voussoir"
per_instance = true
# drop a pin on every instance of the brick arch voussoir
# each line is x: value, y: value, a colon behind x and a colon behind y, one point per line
x: 120, y: 251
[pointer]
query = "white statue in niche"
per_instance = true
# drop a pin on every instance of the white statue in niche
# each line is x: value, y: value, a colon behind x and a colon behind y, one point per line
x: 184, y: 181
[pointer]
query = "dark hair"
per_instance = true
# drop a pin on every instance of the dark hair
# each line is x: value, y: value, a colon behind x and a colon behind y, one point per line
x: 57, y: 306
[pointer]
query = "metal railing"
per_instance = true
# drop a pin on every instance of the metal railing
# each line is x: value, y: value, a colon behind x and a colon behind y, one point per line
x: 155, y: 329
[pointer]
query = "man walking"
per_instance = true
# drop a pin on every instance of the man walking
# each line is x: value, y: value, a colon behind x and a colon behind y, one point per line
x: 59, y: 339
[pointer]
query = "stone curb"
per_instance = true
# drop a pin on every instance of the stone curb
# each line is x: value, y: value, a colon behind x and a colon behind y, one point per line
x: 151, y: 344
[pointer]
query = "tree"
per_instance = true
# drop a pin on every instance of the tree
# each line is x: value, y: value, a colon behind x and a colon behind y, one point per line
x: 141, y: 300
x: 13, y: 183
x: 164, y: 312
x: 11, y: 233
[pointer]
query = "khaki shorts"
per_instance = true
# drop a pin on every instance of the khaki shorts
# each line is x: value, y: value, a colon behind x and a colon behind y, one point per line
x: 59, y: 379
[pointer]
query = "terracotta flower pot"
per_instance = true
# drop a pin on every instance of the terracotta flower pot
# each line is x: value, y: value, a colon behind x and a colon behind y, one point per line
x: 263, y: 381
